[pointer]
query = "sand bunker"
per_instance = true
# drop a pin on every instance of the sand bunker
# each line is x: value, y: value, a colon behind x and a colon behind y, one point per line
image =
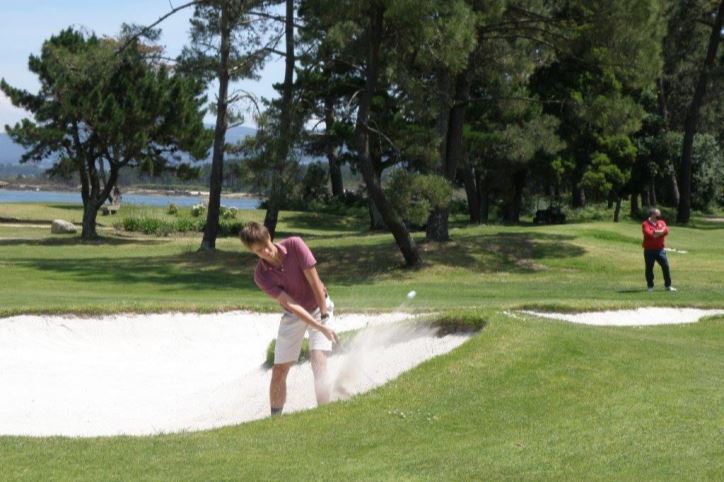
x: 638, y: 317
x: 147, y: 374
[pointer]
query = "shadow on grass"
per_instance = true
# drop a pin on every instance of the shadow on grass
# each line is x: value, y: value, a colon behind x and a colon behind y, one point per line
x: 11, y: 220
x: 609, y: 236
x: 705, y: 224
x: 326, y: 224
x: 195, y: 270
x: 508, y: 252
x: 344, y: 265
x: 69, y: 207
x: 76, y: 241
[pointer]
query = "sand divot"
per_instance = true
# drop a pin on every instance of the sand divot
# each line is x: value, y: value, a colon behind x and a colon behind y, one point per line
x: 148, y: 374
x: 637, y: 317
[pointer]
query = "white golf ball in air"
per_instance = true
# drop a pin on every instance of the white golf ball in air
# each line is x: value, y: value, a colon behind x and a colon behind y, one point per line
x: 411, y: 294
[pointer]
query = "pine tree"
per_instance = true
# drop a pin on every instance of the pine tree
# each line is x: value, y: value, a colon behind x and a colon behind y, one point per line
x: 104, y: 104
x: 228, y: 43
x: 693, y: 112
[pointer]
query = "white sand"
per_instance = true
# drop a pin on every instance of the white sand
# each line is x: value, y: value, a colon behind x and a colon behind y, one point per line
x: 146, y: 374
x: 638, y: 317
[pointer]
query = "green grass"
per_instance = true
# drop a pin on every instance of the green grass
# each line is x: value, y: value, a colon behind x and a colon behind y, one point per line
x: 582, y: 266
x: 525, y: 399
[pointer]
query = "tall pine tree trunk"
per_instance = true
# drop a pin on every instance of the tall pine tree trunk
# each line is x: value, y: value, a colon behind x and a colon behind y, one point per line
x: 211, y: 231
x: 90, y: 213
x: 617, y: 211
x: 611, y: 198
x: 436, y: 227
x: 444, y: 102
x: 634, y: 212
x: 331, y: 149
x: 88, y: 231
x: 645, y: 199
x: 471, y: 193
x: 579, y: 197
x: 514, y: 205
x: 692, y: 116
x: 281, y: 152
x: 674, y: 187
x: 397, y: 228
x: 377, y: 223
x: 437, y: 223
x: 93, y: 195
x: 483, y: 188
x: 664, y: 113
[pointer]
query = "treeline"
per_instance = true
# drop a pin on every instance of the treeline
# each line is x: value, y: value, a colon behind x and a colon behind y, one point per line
x: 578, y: 101
x: 575, y: 100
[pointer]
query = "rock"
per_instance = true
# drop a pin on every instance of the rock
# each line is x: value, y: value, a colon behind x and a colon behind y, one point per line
x: 62, y: 227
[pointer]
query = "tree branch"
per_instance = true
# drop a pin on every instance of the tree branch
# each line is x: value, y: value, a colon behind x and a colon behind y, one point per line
x: 276, y: 18
x: 147, y: 29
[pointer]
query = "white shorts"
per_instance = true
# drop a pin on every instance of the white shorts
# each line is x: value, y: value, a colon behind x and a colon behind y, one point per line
x: 291, y: 334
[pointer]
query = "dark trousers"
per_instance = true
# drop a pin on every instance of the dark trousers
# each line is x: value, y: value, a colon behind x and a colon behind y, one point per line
x: 659, y: 256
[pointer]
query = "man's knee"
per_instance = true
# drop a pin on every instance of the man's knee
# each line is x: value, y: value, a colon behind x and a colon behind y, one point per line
x: 318, y: 360
x: 280, y: 371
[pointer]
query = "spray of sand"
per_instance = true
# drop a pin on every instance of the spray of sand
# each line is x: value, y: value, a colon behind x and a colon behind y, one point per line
x: 367, y: 358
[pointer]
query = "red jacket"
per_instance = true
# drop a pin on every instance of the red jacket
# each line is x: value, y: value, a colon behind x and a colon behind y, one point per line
x: 648, y: 228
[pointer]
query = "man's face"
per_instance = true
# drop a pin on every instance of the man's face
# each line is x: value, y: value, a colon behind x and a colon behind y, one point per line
x: 265, y: 251
x: 655, y: 215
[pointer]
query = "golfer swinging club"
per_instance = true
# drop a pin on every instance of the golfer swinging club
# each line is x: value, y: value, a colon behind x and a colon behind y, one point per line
x: 655, y: 231
x: 287, y: 272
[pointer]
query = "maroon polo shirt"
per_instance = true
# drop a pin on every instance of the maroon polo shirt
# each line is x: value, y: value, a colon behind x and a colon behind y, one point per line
x: 289, y: 277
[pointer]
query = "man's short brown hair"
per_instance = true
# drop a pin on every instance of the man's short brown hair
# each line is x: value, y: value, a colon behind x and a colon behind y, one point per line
x: 253, y: 233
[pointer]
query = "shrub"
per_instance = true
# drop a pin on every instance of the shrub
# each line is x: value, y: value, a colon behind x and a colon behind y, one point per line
x: 314, y: 183
x: 707, y: 169
x: 228, y: 213
x: 159, y: 227
x: 592, y: 212
x: 146, y: 225
x: 414, y: 195
x: 707, y: 182
x: 172, y: 209
x: 197, y: 210
x: 228, y: 227
x: 184, y: 225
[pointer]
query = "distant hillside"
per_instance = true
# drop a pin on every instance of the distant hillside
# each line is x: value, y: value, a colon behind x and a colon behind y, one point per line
x: 235, y: 134
x: 10, y: 152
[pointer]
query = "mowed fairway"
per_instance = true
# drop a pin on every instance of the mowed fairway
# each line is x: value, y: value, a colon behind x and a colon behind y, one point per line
x: 524, y: 399
x: 591, y: 265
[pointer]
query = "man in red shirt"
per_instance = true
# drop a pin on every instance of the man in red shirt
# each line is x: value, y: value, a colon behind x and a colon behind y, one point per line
x: 287, y: 272
x: 655, y: 230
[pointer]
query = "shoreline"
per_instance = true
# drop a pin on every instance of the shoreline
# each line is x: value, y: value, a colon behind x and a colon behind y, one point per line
x: 130, y: 190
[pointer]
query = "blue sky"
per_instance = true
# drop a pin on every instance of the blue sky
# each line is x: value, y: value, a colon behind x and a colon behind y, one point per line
x: 25, y: 24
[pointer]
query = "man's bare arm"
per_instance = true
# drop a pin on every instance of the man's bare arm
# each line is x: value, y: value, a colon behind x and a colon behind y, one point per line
x: 317, y: 288
x: 288, y: 303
